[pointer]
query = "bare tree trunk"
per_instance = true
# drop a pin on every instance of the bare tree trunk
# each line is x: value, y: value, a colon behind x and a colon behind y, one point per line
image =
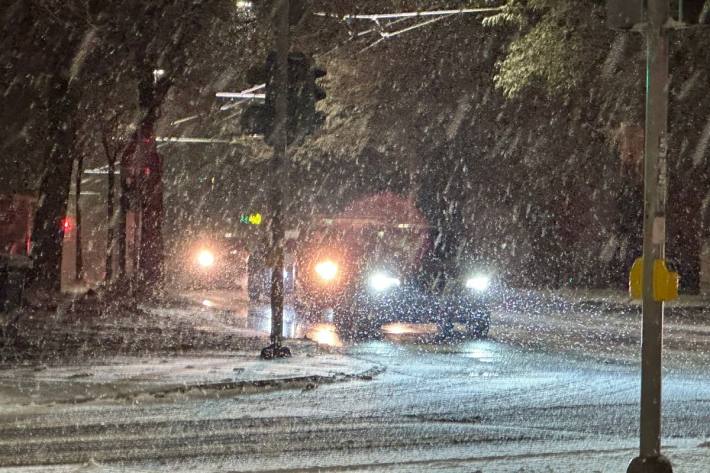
x: 439, y: 199
x: 48, y: 234
x: 151, y: 198
x: 153, y: 88
x: 126, y: 183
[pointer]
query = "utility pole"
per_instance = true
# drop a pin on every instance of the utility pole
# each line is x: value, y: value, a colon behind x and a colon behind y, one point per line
x: 280, y: 21
x: 79, y: 260
x: 650, y: 459
x: 110, y: 214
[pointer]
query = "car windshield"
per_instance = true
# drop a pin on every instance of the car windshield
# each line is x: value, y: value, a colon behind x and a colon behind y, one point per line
x: 355, y: 236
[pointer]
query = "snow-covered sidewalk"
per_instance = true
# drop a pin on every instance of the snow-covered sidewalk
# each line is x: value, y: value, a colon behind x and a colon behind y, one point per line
x: 93, y: 326
x: 618, y: 298
x: 604, y: 323
x: 130, y: 377
x: 99, y: 346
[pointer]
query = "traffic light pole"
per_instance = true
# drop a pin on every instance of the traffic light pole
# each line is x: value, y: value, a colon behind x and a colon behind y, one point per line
x: 280, y: 20
x: 650, y: 459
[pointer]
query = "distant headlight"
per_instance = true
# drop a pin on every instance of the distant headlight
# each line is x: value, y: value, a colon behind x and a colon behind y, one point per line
x: 326, y: 270
x: 381, y: 282
x: 479, y: 282
x: 205, y: 258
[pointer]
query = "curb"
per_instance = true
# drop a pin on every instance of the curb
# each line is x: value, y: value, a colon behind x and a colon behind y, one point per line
x: 243, y: 387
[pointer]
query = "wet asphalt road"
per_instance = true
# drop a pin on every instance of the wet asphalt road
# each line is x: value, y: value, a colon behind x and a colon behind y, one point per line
x: 488, y: 406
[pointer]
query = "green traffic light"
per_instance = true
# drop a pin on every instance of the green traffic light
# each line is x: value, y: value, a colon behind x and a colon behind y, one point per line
x: 251, y: 219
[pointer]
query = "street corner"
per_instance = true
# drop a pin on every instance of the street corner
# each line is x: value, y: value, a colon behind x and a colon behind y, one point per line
x: 248, y: 373
x: 157, y: 377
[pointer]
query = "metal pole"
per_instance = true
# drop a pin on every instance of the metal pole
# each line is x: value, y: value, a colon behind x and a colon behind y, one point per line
x: 280, y: 17
x: 654, y: 236
x: 110, y: 218
x: 79, y: 260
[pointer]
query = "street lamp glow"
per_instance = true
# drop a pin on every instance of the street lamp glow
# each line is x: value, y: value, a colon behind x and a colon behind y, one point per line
x: 205, y: 258
x: 326, y: 270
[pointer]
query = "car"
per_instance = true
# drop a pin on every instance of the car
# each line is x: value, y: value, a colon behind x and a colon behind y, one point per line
x: 384, y: 302
x: 210, y: 261
x: 363, y: 268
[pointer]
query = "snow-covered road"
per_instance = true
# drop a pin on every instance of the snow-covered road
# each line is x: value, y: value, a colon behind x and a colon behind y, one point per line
x: 475, y: 406
x: 553, y: 390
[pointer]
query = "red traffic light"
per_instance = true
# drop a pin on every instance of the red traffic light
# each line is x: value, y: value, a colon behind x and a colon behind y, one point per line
x: 68, y: 224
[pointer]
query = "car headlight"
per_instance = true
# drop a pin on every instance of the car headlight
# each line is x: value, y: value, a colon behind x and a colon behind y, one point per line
x: 326, y: 270
x: 205, y: 258
x: 479, y: 282
x: 380, y: 282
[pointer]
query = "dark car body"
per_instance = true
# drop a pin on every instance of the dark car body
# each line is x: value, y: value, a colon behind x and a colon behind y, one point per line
x: 457, y: 312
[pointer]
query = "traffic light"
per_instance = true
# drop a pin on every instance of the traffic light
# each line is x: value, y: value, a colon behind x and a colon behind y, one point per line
x: 67, y: 225
x: 303, y: 94
x: 306, y: 93
x: 258, y: 119
x: 251, y: 219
